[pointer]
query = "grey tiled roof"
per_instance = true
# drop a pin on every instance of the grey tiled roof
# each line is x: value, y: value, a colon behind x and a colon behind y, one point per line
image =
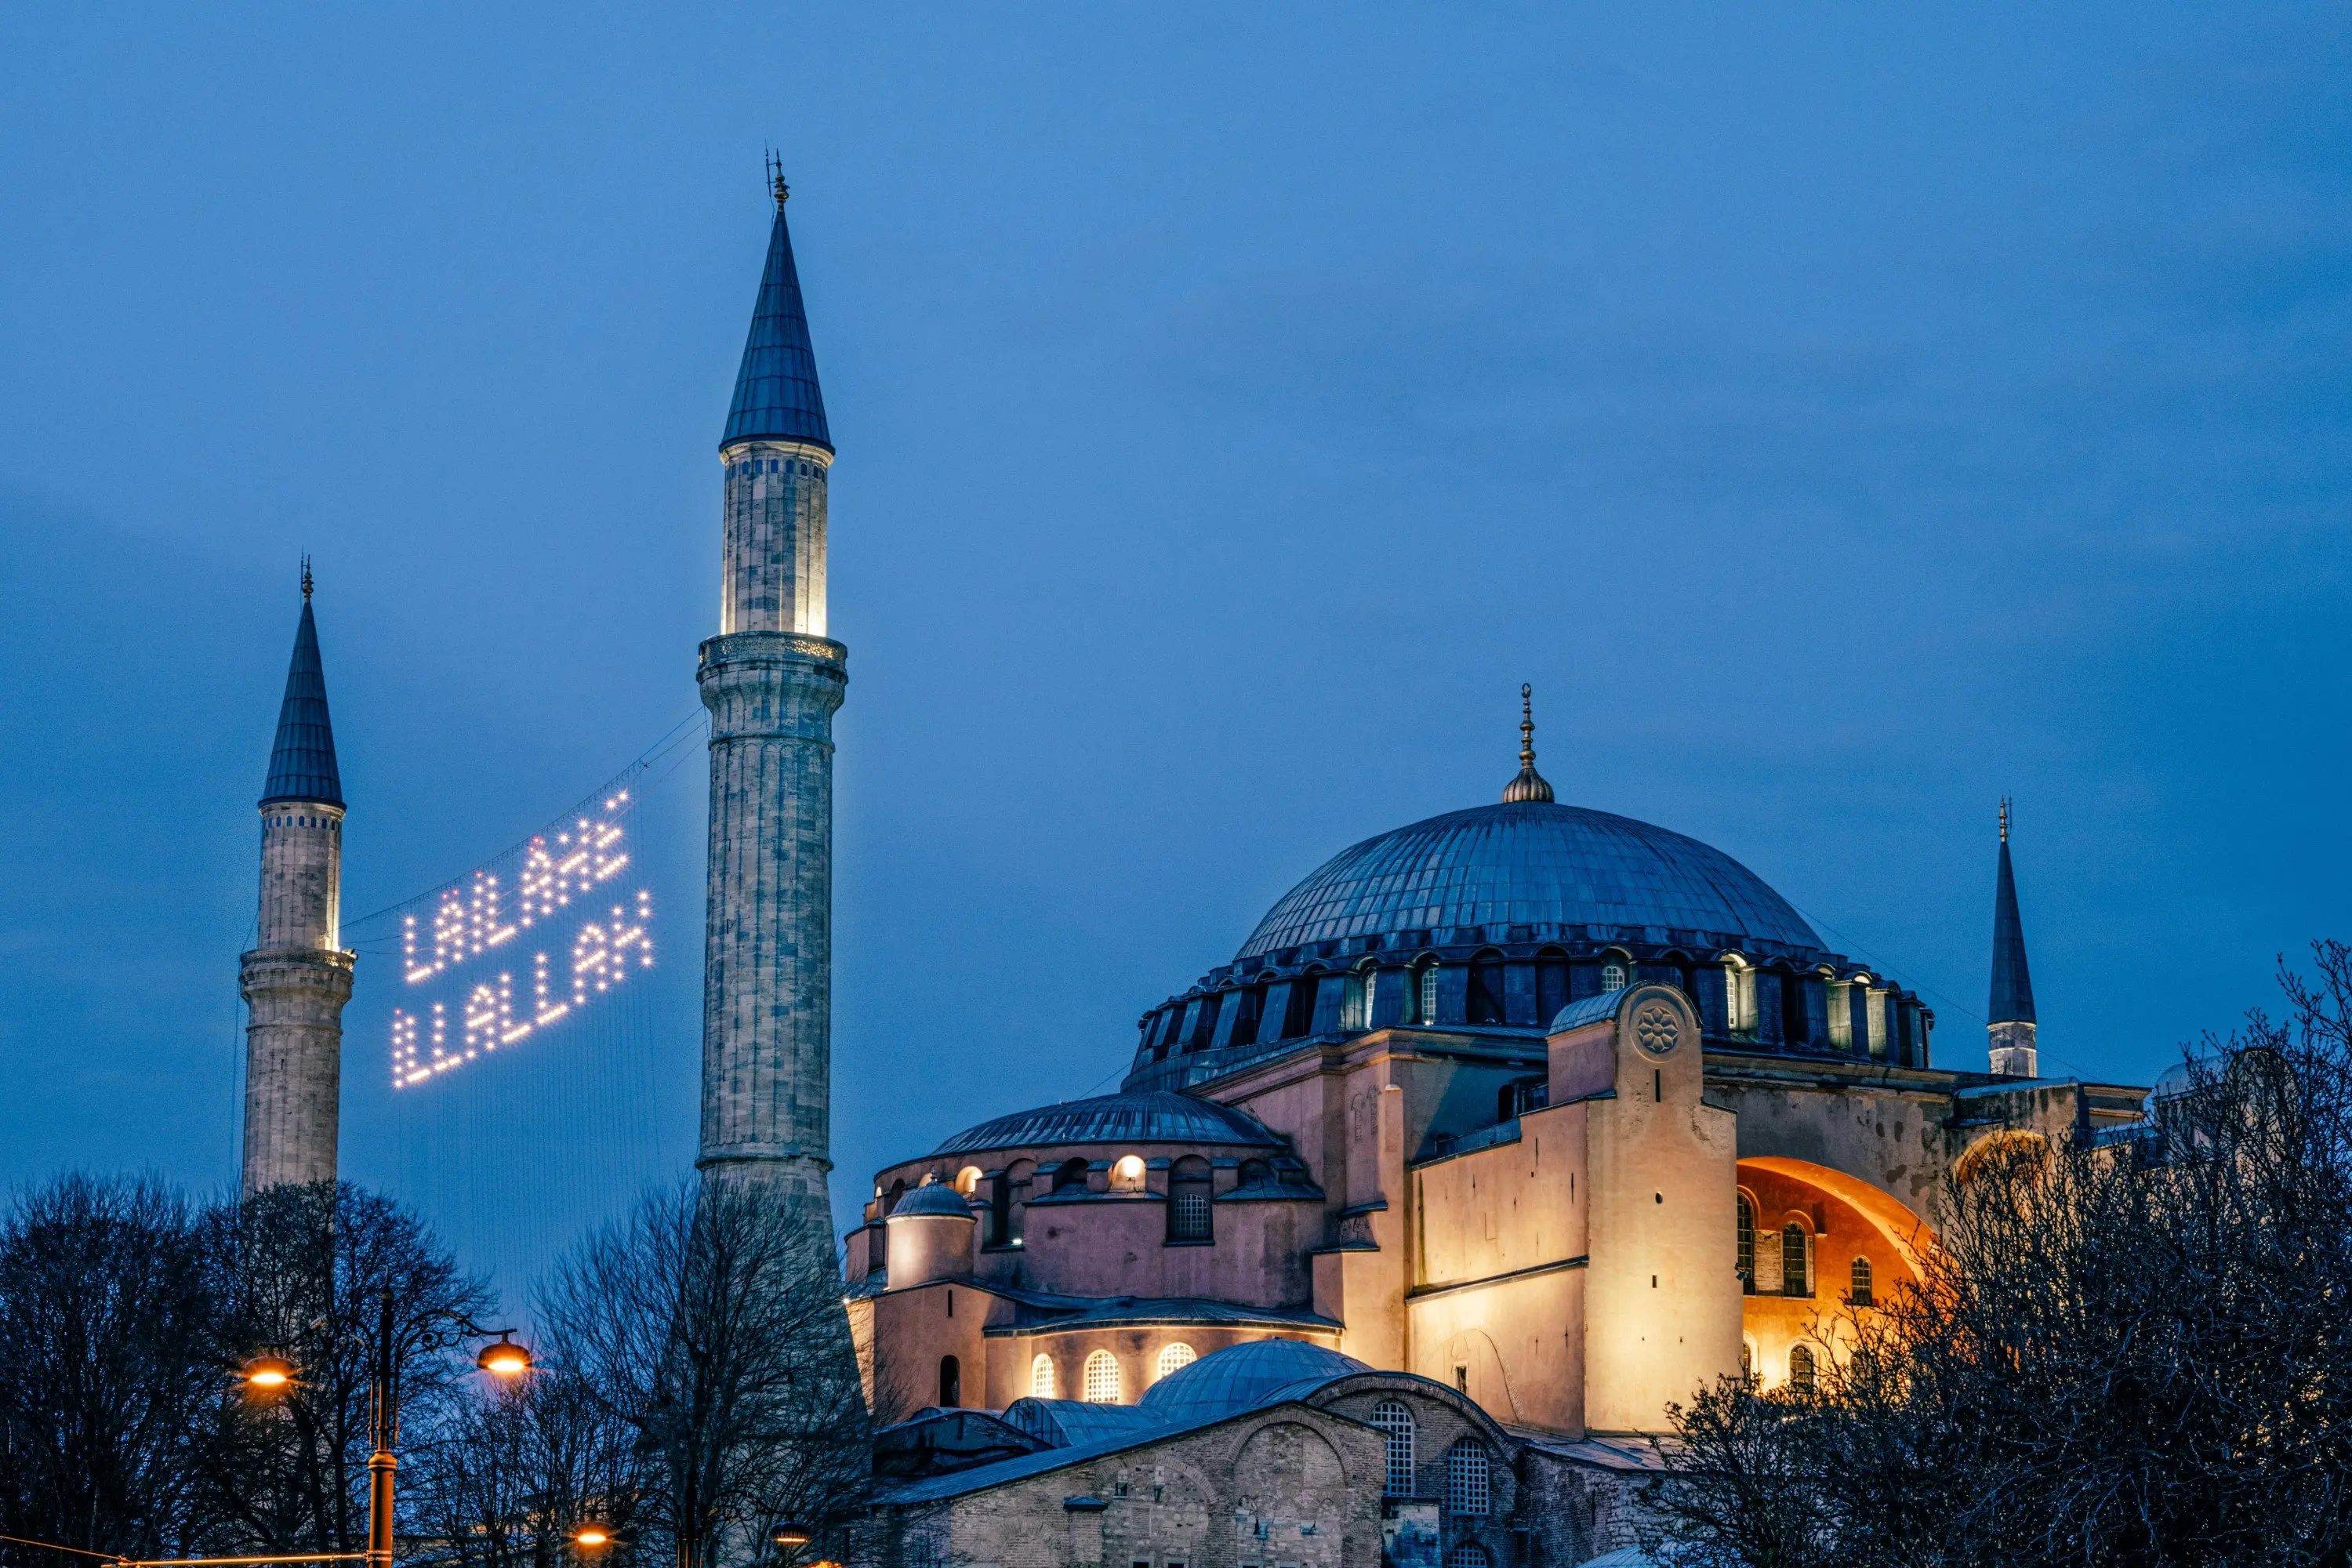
x: 302, y: 761
x: 1528, y: 863
x: 1145, y: 1116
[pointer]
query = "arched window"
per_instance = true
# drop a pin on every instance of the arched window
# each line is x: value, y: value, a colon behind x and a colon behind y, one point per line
x: 1486, y: 988
x: 1127, y: 1174
x: 1738, y: 997
x: 1395, y: 1424
x: 1356, y: 1004
x: 1425, y: 993
x: 1796, y: 1278
x: 1469, y: 1480
x: 1100, y: 1385
x: 1551, y: 985
x: 1247, y: 1005
x: 1800, y: 1368
x: 1860, y: 1295
x: 1256, y: 1173
x: 1189, y: 1214
x: 1299, y: 1014
x: 1469, y: 1554
x: 1006, y: 1199
x: 1041, y: 1377
x: 950, y: 1382
x: 1746, y: 1247
x: 1796, y: 1019
x: 1174, y: 1356
x: 1612, y: 975
x: 967, y: 1180
x: 1070, y: 1176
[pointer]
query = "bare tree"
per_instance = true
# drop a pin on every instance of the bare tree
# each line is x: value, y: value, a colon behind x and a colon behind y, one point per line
x: 300, y: 1271
x: 104, y: 1315
x: 511, y: 1474
x: 700, y: 1322
x: 2128, y: 1351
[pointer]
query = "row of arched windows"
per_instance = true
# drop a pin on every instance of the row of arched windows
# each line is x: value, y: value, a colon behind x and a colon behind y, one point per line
x: 1469, y: 1470
x: 1796, y: 1261
x: 1099, y: 1382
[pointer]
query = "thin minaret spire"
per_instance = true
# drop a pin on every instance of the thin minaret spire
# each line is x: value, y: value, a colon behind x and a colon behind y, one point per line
x: 2009, y: 1014
x: 1529, y: 784
x: 298, y: 976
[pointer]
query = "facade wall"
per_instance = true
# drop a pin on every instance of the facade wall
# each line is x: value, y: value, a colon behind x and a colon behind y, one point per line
x: 1836, y: 1233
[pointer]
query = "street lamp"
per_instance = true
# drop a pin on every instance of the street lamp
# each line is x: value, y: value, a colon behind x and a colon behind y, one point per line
x: 427, y: 1328
x: 789, y: 1535
x: 590, y: 1537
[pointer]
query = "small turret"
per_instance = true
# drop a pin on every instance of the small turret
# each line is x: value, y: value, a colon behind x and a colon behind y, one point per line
x: 2009, y: 1016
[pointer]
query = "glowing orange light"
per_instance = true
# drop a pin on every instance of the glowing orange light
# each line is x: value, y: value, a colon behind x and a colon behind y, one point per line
x: 504, y: 1359
x: 269, y: 1372
x: 590, y: 1537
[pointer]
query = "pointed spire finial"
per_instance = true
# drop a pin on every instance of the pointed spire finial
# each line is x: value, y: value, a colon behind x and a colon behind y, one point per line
x: 306, y: 579
x: 774, y: 163
x: 2004, y: 819
x: 1529, y: 784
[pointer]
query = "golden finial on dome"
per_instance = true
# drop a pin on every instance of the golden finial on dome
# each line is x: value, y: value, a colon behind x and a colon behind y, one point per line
x: 1529, y: 784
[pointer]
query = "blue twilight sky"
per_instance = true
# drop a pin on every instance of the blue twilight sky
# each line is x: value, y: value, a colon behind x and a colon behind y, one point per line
x: 1843, y: 414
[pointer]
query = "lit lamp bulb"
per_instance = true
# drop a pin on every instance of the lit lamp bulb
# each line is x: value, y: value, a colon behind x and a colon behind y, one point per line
x: 589, y: 1537
x: 269, y: 1373
x: 505, y: 1359
x: 790, y: 1536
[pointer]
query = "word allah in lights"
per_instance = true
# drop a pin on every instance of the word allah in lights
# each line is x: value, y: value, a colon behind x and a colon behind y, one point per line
x: 556, y: 901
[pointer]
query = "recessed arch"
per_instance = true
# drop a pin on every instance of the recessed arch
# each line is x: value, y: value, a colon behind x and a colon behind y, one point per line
x: 2005, y: 1143
x: 1893, y: 1221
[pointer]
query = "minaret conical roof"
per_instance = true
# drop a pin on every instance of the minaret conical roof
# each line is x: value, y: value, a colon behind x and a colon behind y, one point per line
x: 2012, y: 983
x: 302, y: 763
x: 776, y: 393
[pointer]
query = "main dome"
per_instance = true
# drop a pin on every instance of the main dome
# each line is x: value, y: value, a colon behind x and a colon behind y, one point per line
x: 1528, y: 863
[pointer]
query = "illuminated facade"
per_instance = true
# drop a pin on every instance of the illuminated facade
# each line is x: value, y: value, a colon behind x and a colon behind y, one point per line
x: 772, y: 681
x: 1556, y: 1111
x: 298, y: 976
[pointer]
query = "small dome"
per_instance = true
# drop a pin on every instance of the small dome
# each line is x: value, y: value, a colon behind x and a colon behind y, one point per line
x: 1150, y: 1116
x: 1529, y: 862
x: 1239, y: 1377
x: 933, y: 1198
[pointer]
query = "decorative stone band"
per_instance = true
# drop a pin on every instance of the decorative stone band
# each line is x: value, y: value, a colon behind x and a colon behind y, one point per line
x: 299, y: 969
x: 727, y: 1151
x: 742, y: 673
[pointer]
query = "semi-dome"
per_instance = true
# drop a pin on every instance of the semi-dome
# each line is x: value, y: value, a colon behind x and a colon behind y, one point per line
x: 933, y: 1198
x: 1143, y: 1116
x: 1241, y: 1377
x: 1530, y: 863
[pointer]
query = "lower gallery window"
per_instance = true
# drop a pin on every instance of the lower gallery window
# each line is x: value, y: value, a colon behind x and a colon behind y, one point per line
x: 1041, y: 1378
x: 1395, y: 1424
x: 1861, y: 1292
x: 1100, y: 1385
x: 1796, y: 1280
x: 1468, y: 1555
x: 1174, y: 1358
x: 1800, y: 1368
x: 1469, y: 1481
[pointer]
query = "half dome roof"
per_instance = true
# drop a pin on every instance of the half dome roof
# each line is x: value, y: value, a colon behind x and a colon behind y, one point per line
x: 1143, y: 1116
x: 1534, y: 863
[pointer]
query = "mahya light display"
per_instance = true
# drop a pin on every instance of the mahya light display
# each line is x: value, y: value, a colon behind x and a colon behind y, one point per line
x: 447, y: 955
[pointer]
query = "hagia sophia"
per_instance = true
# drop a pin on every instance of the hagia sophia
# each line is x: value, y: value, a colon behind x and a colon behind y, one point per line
x: 1501, y: 1132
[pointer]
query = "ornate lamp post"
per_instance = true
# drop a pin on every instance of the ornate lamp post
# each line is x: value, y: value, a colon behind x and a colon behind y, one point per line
x: 428, y: 1329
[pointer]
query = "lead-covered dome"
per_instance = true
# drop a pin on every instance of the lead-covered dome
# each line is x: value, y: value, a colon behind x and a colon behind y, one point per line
x: 1140, y: 1116
x: 1528, y: 863
x: 1242, y: 1377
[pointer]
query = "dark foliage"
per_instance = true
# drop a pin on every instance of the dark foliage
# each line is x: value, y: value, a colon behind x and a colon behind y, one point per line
x: 2134, y: 1352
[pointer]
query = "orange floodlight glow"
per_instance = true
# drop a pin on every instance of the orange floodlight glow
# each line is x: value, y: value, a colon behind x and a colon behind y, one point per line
x: 269, y: 1373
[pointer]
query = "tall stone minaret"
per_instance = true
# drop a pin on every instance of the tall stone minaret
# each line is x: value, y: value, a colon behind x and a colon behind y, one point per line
x: 773, y: 680
x: 298, y: 976
x: 2008, y: 1018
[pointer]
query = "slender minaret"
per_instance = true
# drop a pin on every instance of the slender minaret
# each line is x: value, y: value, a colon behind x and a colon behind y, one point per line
x: 2008, y: 1018
x: 298, y: 976
x: 773, y: 680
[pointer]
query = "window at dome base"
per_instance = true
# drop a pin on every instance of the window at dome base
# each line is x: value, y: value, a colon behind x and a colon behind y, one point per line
x: 1425, y: 994
x: 1041, y: 1378
x: 1613, y: 976
x: 1486, y: 989
x: 1173, y: 1357
x: 1100, y: 1386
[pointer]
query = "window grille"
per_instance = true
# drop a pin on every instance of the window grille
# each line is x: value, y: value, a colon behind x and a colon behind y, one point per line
x: 1175, y: 1357
x: 1191, y: 1213
x: 1468, y: 1555
x: 1395, y: 1424
x: 1613, y: 977
x: 1796, y: 1278
x: 1355, y: 1003
x: 1041, y: 1378
x: 1469, y: 1480
x: 1800, y: 1368
x: 1100, y: 1386
x: 1425, y: 1002
x: 1860, y: 1295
